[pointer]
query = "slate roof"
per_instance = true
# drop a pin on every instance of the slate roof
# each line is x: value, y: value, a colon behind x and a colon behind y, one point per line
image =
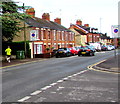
x: 41, y: 23
x: 82, y: 33
x: 84, y: 27
x: 81, y: 29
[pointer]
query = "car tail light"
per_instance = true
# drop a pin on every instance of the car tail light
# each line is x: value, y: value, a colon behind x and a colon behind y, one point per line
x: 88, y: 50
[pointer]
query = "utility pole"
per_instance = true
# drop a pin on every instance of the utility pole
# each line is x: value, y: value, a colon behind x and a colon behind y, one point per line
x: 24, y: 33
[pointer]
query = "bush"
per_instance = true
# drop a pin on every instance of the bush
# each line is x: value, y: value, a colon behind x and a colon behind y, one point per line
x: 16, y: 46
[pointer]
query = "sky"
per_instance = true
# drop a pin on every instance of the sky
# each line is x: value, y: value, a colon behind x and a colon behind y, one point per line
x: 101, y: 14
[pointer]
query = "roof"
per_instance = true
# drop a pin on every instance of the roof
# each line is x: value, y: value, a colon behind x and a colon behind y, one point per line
x: 82, y: 33
x: 80, y: 29
x: 105, y: 37
x: 85, y: 28
x: 41, y: 23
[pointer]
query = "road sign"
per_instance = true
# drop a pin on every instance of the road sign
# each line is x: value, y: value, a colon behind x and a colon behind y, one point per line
x: 33, y: 35
x: 115, y: 30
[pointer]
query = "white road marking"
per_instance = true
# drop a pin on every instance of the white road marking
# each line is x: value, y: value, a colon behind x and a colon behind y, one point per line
x: 53, y: 84
x: 65, y: 78
x: 44, y: 88
x: 59, y: 81
x: 25, y: 98
x: 36, y: 92
x: 70, y: 76
x: 82, y: 72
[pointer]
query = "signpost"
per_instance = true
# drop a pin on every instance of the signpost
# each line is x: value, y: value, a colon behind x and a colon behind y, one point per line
x: 115, y: 31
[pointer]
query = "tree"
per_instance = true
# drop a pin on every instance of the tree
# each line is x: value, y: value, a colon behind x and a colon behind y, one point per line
x: 11, y: 19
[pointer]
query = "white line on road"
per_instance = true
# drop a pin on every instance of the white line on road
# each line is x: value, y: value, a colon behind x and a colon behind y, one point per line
x: 44, y: 88
x: 53, y: 84
x: 25, y: 98
x: 59, y: 81
x: 65, y: 78
x: 36, y: 92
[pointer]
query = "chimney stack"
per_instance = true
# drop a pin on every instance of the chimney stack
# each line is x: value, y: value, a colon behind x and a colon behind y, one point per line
x: 30, y: 12
x: 86, y: 25
x: 58, y: 20
x: 46, y: 16
x: 79, y: 22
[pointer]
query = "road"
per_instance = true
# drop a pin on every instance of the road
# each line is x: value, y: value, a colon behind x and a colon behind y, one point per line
x: 20, y: 81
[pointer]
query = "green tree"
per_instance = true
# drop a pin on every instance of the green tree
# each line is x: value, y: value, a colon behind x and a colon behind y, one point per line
x: 11, y: 19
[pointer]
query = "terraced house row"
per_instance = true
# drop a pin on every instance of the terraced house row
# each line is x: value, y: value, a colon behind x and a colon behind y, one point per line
x: 45, y: 35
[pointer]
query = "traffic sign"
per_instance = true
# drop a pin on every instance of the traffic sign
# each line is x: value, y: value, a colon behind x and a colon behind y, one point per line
x: 33, y: 35
x: 114, y: 30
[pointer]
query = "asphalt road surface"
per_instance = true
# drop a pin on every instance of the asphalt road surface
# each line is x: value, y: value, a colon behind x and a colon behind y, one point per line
x: 20, y: 81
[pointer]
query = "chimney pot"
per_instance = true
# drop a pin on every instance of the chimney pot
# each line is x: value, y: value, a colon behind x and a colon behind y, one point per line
x: 79, y: 22
x: 58, y: 20
x: 31, y: 12
x: 46, y: 16
x: 86, y: 25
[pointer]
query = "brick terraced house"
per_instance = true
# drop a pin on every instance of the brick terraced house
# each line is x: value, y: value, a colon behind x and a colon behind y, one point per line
x: 45, y: 35
x: 84, y: 33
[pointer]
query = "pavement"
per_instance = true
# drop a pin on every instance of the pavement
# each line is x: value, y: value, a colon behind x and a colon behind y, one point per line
x: 110, y: 64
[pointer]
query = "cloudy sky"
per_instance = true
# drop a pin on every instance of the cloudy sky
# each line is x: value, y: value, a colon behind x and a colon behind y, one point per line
x: 100, y: 14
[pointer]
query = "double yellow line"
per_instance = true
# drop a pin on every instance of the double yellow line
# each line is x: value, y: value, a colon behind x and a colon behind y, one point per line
x: 21, y: 63
x: 106, y: 71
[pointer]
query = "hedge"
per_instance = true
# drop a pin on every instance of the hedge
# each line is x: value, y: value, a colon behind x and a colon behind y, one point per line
x: 16, y: 46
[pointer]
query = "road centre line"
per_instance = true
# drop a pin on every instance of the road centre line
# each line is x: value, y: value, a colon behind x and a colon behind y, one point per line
x: 25, y: 98
x: 59, y: 81
x: 46, y: 87
x: 36, y: 92
x: 53, y: 84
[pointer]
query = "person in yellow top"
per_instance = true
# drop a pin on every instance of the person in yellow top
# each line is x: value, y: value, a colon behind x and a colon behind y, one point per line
x: 8, y: 53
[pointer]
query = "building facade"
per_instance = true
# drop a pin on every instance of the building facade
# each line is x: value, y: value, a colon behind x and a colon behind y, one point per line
x: 45, y: 35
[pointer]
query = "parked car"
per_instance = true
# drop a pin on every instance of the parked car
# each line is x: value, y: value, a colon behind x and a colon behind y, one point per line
x: 86, y: 50
x: 73, y: 50
x: 111, y: 47
x: 97, y: 46
x: 61, y: 52
x: 55, y: 51
x: 104, y: 48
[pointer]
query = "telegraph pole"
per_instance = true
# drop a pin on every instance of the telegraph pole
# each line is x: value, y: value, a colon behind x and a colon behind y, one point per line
x: 24, y: 32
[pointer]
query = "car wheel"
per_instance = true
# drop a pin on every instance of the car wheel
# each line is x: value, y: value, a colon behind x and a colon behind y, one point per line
x: 78, y: 54
x: 67, y: 55
x: 91, y: 54
x: 73, y: 54
x: 57, y: 56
